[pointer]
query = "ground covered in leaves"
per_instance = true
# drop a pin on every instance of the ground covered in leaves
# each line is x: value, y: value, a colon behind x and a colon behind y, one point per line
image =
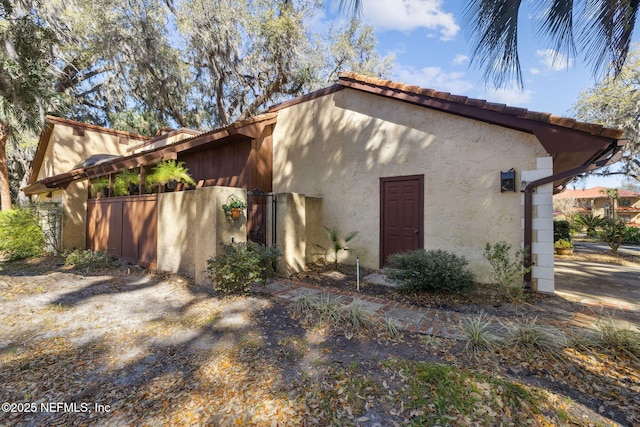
x: 120, y: 346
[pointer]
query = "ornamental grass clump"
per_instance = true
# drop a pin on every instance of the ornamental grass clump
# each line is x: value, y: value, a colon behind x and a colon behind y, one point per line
x: 617, y: 338
x: 529, y: 335
x: 431, y: 271
x: 479, y: 332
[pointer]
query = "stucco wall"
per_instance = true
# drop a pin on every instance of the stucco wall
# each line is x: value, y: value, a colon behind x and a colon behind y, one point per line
x: 291, y: 231
x: 65, y: 149
x: 315, y: 234
x: 74, y: 222
x: 192, y: 228
x: 337, y: 147
x: 176, y: 233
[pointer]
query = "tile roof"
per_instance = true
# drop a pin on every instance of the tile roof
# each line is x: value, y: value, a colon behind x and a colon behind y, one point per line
x: 390, y: 88
x: 95, y: 128
x: 593, y: 193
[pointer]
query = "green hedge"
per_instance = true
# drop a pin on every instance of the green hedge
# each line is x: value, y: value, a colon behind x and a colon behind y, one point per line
x: 240, y: 265
x: 20, y: 234
x: 561, y: 230
x: 631, y: 235
x: 431, y: 270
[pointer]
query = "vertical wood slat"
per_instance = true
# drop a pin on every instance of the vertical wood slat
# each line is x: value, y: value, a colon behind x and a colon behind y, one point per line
x: 125, y: 227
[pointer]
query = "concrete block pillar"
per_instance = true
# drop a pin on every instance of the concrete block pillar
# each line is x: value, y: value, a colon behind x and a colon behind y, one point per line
x: 542, y: 241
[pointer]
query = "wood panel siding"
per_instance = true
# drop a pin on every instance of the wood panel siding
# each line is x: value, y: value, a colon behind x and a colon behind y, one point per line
x: 226, y: 164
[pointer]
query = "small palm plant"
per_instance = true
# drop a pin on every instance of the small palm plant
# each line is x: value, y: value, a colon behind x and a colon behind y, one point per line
x: 337, y: 243
x: 590, y: 223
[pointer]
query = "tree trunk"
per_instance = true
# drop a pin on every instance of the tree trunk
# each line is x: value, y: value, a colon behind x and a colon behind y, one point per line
x: 5, y: 193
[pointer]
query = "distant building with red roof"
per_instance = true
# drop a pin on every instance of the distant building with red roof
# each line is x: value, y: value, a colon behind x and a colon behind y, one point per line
x: 596, y: 202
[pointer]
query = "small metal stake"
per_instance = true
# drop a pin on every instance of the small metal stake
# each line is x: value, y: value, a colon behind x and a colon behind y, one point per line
x: 358, y: 273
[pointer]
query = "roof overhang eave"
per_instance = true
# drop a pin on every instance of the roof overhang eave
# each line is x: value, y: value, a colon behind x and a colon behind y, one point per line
x: 249, y: 129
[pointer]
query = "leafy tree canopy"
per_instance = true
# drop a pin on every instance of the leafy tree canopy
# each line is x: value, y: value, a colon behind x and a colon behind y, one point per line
x: 615, y: 102
x: 140, y: 65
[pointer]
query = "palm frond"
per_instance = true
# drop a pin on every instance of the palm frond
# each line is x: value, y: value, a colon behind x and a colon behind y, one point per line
x: 606, y: 34
x: 558, y: 23
x: 494, y: 27
x: 355, y: 6
x: 350, y: 236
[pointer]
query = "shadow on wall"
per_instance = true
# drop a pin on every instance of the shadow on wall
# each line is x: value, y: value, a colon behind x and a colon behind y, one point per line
x: 193, y: 227
x: 338, y: 147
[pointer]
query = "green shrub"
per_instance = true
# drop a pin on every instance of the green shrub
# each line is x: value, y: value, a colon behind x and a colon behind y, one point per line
x: 86, y: 258
x: 631, y: 235
x: 240, y: 265
x: 506, y: 270
x: 612, y: 232
x: 20, y: 234
x: 124, y: 181
x: 431, y: 270
x: 169, y: 170
x: 561, y: 230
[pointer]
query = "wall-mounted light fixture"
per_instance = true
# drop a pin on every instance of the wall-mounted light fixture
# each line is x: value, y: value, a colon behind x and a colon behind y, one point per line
x: 508, y: 180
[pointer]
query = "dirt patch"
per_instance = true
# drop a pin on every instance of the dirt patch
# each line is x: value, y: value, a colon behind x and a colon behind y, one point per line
x: 124, y: 347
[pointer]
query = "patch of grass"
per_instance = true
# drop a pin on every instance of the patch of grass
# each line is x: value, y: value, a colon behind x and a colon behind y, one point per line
x: 250, y: 341
x: 81, y: 259
x: 439, y: 394
x: 199, y: 320
x: 351, y: 388
x: 329, y: 309
x: 304, y: 304
x: 293, y: 348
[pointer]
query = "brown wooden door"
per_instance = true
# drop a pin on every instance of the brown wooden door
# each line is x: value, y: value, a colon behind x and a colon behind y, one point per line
x: 401, y: 215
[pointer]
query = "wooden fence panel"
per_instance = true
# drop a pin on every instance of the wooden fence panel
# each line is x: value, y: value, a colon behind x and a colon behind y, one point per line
x: 126, y: 227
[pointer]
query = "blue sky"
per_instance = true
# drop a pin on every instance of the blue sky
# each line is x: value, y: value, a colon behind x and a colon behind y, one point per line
x: 432, y: 49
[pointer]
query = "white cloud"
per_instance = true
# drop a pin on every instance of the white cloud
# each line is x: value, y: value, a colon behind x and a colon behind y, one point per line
x: 433, y: 78
x: 408, y: 15
x: 554, y: 61
x: 510, y: 96
x: 534, y: 71
x: 460, y: 59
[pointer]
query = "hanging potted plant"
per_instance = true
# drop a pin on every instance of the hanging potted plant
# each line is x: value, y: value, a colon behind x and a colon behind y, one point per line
x: 126, y: 182
x: 234, y: 207
x: 170, y: 173
x: 100, y: 187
